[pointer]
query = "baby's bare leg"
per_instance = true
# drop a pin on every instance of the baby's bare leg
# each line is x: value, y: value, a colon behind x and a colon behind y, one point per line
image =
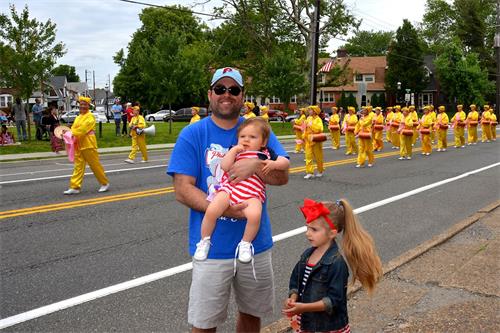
x: 214, y: 210
x: 253, y: 213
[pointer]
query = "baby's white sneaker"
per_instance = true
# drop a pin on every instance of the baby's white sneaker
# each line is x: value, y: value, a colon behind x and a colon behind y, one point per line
x: 202, y: 249
x: 245, y: 252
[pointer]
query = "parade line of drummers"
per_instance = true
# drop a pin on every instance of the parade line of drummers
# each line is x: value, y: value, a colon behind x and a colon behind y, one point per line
x: 402, y: 128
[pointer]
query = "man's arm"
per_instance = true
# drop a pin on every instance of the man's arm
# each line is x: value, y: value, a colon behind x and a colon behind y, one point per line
x: 247, y: 167
x: 188, y: 194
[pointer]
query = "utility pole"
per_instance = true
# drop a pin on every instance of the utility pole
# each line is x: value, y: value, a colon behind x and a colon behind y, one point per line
x: 314, y: 60
x: 497, y: 50
x: 86, y: 84
x: 93, y: 81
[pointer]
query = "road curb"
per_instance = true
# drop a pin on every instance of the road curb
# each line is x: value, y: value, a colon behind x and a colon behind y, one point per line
x: 282, y: 325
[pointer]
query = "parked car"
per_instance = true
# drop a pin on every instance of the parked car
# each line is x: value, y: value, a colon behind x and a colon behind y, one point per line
x: 277, y: 115
x: 69, y: 117
x: 292, y: 117
x: 158, y: 116
x: 184, y: 114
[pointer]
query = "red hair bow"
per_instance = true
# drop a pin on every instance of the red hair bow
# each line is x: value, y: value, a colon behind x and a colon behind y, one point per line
x: 312, y: 210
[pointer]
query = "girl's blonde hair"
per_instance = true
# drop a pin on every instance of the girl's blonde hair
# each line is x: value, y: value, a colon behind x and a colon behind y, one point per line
x: 357, y: 245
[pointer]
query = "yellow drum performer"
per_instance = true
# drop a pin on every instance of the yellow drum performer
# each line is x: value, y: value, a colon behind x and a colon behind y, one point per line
x: 313, y: 139
x: 441, y: 127
x: 433, y: 114
x: 414, y: 117
x: 378, y: 128
x: 85, y: 150
x: 397, y: 118
x: 486, y: 124
x: 458, y: 121
x: 264, y: 112
x: 195, y: 113
x: 249, y: 106
x: 388, y: 119
x: 472, y: 122
x: 425, y: 128
x: 298, y: 128
x: 364, y: 133
x: 334, y: 127
x: 493, y: 125
x: 137, y: 124
x: 348, y: 127
x: 406, y: 135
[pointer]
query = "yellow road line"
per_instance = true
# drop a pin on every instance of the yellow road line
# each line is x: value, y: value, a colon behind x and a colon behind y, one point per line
x: 140, y: 194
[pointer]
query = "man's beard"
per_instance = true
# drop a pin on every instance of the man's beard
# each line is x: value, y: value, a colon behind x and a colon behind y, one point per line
x: 234, y: 114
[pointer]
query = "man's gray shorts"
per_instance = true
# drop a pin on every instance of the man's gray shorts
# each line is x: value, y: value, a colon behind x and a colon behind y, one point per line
x: 211, y: 289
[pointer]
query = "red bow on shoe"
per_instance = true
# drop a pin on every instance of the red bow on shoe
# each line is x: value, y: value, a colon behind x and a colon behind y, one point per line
x: 313, y: 210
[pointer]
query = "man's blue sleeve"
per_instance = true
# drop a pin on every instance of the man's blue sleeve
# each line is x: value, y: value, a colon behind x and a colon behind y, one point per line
x: 276, y: 146
x: 184, y: 158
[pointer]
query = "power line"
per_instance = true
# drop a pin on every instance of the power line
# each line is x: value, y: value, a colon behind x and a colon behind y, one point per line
x: 175, y: 9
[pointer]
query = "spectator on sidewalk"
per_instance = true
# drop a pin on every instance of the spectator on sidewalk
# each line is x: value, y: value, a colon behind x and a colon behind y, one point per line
x: 195, y: 168
x: 125, y: 118
x: 6, y: 138
x: 51, y: 121
x: 19, y: 112
x: 117, y: 116
x: 37, y: 111
x: 317, y: 300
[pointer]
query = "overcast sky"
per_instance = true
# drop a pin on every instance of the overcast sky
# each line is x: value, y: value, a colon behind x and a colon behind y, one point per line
x: 94, y: 30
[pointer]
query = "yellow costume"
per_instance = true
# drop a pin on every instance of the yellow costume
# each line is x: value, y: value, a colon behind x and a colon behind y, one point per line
x: 378, y: 142
x: 365, y: 148
x: 299, y: 142
x: 493, y: 126
x: 334, y: 127
x: 350, y: 121
x: 138, y: 140
x: 196, y: 117
x: 313, y: 150
x: 414, y: 117
x: 472, y: 122
x: 263, y: 113
x: 397, y: 118
x: 388, y: 119
x: 85, y: 151
x: 458, y: 121
x: 434, y: 118
x: 249, y: 106
x: 441, y: 125
x: 426, y: 124
x: 405, y: 150
x: 485, y: 124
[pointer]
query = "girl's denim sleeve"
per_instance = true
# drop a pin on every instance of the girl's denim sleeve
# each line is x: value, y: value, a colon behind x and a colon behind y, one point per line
x: 337, y: 289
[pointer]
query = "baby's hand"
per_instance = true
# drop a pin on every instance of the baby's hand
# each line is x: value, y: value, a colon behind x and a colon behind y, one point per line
x: 269, y: 165
x: 238, y: 148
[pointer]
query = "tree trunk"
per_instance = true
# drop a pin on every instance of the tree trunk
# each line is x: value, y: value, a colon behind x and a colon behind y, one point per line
x: 28, y: 122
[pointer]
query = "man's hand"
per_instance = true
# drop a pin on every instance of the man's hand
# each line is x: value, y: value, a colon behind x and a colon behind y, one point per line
x: 243, y: 169
x: 269, y: 165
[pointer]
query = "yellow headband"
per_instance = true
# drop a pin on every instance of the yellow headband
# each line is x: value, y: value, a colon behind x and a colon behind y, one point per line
x: 250, y: 105
x: 315, y: 108
x: 84, y: 99
x: 195, y: 108
x: 441, y: 108
x: 264, y: 108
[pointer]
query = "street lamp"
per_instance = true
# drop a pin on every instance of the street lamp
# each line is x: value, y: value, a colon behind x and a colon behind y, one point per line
x: 398, y: 95
x: 106, y: 89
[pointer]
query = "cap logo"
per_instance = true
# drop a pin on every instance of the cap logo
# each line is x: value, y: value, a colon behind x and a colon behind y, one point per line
x: 227, y: 69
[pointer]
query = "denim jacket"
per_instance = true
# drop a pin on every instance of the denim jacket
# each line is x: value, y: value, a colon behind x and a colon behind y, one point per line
x: 328, y: 282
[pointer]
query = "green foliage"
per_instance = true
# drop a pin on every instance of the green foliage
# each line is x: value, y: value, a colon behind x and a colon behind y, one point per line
x: 28, y: 51
x: 461, y: 76
x: 369, y: 43
x: 351, y: 101
x: 343, y: 102
x: 167, y: 62
x: 68, y: 71
x: 405, y: 61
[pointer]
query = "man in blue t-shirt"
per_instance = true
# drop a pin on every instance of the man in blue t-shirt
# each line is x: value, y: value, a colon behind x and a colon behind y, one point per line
x: 117, y: 115
x: 195, y: 168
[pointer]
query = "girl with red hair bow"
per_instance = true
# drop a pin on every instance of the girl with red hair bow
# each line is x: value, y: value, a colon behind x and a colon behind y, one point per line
x: 320, y: 305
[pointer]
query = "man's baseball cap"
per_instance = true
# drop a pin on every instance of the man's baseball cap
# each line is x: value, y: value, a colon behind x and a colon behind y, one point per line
x: 227, y: 72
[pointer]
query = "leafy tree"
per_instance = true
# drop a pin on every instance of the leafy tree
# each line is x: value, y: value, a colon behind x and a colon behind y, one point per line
x: 167, y: 52
x: 461, y: 76
x: 281, y: 75
x: 405, y: 61
x: 351, y: 101
x: 343, y: 102
x: 369, y: 43
x: 28, y: 51
x: 68, y: 71
x: 374, y: 101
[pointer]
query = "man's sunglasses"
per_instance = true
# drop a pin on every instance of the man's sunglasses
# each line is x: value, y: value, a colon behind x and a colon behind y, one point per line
x: 221, y: 90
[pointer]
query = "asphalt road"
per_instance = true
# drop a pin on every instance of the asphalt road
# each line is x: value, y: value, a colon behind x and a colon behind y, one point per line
x: 56, y: 247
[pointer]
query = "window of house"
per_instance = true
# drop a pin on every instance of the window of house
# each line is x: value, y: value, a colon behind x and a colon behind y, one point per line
x: 358, y: 78
x: 369, y: 78
x: 250, y: 99
x: 275, y: 100
x: 4, y: 100
x: 328, y: 97
x: 293, y: 99
x: 322, y: 78
x: 425, y: 99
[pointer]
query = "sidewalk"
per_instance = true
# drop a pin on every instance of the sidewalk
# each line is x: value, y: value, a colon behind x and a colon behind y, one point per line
x: 448, y: 284
x: 123, y: 149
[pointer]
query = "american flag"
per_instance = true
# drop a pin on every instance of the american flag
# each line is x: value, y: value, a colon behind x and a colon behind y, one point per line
x: 327, y: 67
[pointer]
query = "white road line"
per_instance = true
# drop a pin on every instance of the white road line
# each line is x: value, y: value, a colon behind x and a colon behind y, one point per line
x: 87, y: 173
x: 48, y: 309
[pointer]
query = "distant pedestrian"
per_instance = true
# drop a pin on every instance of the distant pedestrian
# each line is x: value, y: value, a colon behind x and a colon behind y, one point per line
x: 317, y: 300
x: 37, y: 110
x: 19, y: 112
x: 52, y: 121
x: 125, y: 118
x: 117, y: 115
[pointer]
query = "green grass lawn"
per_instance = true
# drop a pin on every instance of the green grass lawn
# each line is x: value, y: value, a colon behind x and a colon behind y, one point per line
x: 109, y: 139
